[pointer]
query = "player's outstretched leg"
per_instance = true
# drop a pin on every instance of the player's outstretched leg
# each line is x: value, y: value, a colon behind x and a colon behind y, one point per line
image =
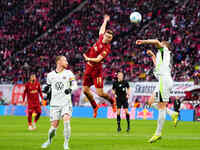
x: 160, y: 123
x: 90, y: 97
x: 101, y: 93
x: 173, y: 115
x: 51, y: 134
x: 36, y: 119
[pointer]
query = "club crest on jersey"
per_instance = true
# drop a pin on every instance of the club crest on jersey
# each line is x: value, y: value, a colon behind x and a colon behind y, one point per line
x: 64, y: 78
x: 104, y: 53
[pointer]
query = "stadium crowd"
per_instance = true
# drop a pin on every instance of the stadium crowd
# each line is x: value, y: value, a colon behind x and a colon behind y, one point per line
x: 176, y: 21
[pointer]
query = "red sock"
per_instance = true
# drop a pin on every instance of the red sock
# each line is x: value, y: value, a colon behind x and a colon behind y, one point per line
x: 37, y: 117
x: 29, y: 118
x: 94, y: 104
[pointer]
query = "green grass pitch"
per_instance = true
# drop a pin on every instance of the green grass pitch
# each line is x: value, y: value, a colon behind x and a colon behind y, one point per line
x: 99, y: 134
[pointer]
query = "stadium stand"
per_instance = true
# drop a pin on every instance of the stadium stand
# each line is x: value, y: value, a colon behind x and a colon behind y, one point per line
x: 43, y: 29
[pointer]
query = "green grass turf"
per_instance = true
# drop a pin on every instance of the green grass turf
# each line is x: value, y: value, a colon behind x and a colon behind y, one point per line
x: 99, y: 134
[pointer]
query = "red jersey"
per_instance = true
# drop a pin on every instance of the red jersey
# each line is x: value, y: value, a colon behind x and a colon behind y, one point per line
x: 99, y: 48
x: 32, y: 90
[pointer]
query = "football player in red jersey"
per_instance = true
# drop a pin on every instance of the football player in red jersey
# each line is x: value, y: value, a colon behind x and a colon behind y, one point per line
x: 93, y: 74
x: 33, y: 90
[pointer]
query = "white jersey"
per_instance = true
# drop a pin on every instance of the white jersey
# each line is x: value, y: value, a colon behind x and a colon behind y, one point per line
x: 163, y: 62
x: 59, y: 83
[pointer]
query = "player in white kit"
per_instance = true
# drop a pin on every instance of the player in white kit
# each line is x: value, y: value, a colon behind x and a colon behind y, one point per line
x: 162, y: 72
x: 61, y: 82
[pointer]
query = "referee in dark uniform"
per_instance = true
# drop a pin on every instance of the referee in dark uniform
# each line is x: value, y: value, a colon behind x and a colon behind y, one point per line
x: 121, y: 90
x: 177, y: 105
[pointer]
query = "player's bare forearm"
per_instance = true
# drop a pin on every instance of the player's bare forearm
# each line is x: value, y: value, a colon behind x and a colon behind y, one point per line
x: 113, y: 91
x: 103, y: 26
x: 154, y: 60
x: 150, y: 53
x: 96, y: 60
x: 128, y: 92
x: 155, y: 42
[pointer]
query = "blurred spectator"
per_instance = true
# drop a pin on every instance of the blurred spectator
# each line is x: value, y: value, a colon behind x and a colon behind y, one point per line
x: 175, y: 21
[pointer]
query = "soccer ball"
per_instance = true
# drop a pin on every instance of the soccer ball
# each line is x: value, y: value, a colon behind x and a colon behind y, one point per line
x: 135, y: 17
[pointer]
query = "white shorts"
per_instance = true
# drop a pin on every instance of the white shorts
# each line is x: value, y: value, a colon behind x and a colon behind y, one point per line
x: 57, y: 112
x: 163, y: 89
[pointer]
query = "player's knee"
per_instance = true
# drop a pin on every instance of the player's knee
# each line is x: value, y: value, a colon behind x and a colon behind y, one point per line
x: 66, y: 117
x: 101, y: 94
x: 55, y: 124
x: 85, y: 90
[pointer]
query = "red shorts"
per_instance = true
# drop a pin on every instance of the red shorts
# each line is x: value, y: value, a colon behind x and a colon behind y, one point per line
x: 93, y: 76
x: 34, y: 109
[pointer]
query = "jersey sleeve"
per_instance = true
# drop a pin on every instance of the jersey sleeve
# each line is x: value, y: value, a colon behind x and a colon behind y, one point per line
x: 127, y: 84
x: 48, y: 79
x: 73, y: 83
x: 114, y: 86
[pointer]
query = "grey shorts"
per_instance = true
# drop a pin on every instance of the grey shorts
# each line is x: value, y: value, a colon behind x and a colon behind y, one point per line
x: 163, y: 89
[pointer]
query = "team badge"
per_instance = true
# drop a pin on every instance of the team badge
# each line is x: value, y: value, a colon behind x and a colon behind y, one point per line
x: 104, y: 53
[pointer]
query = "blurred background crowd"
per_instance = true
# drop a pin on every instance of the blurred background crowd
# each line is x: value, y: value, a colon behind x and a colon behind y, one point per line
x: 34, y: 32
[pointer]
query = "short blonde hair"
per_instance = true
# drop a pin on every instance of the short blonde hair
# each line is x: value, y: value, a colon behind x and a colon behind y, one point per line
x: 58, y: 58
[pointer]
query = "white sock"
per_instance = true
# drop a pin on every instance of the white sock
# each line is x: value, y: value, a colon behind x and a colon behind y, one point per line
x: 160, y: 122
x: 170, y: 112
x: 155, y: 105
x: 51, y: 133
x: 67, y: 130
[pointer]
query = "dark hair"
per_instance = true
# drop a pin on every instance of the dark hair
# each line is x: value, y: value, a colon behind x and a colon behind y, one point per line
x: 120, y: 72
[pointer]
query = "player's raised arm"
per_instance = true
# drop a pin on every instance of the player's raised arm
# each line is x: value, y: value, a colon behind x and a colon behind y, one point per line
x: 103, y: 26
x: 150, y: 53
x: 155, y: 42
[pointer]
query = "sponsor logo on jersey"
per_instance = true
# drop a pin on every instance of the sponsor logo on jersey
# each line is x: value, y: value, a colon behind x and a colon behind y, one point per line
x: 59, y: 86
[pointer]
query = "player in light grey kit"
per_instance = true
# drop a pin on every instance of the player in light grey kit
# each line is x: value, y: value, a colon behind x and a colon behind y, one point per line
x: 61, y: 82
x: 162, y: 72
